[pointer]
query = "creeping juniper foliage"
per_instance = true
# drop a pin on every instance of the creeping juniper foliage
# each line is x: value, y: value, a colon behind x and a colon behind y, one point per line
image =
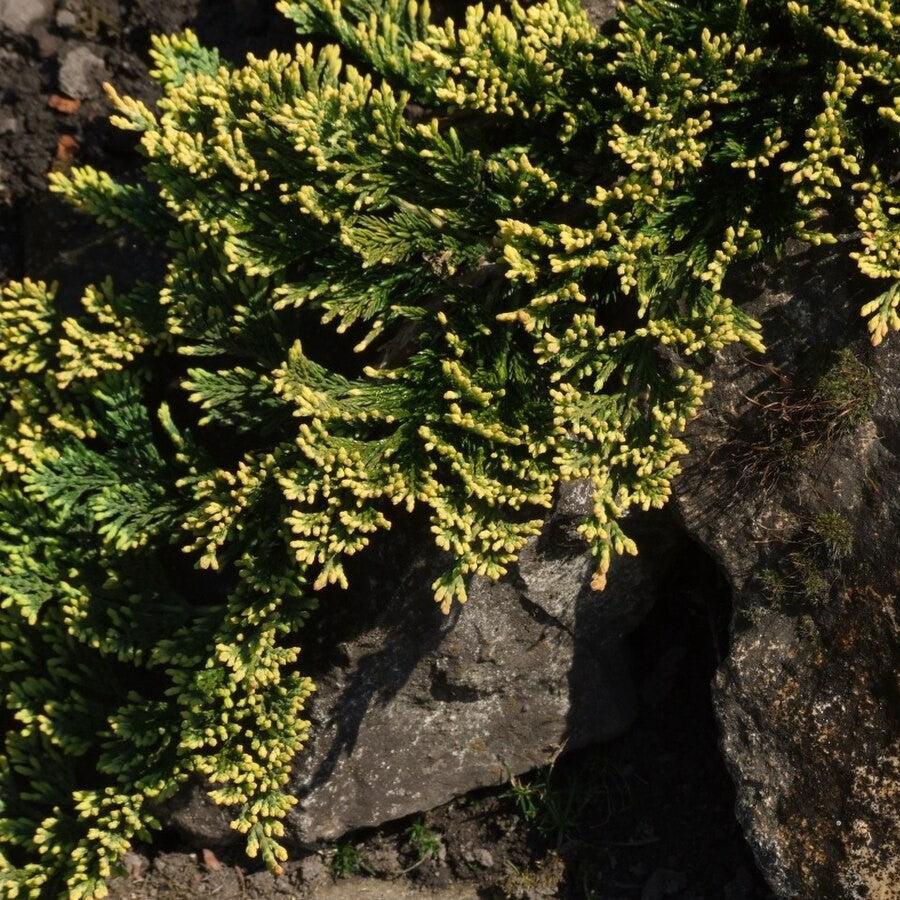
x: 521, y: 224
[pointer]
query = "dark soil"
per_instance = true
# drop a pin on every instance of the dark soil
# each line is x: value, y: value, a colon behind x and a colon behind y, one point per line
x: 647, y: 816
x: 37, y: 136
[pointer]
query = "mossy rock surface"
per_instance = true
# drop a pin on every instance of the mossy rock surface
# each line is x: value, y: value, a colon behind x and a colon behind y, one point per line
x: 806, y: 697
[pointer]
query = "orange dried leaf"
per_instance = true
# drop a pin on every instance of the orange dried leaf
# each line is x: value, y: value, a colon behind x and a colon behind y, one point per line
x: 210, y: 860
x: 64, y: 104
x: 66, y: 148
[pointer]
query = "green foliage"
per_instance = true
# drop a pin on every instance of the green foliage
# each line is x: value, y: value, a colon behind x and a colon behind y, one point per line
x: 832, y: 535
x: 348, y: 860
x: 817, y: 563
x: 522, y: 226
x: 801, y: 417
x: 424, y: 843
x: 846, y: 390
x: 526, y: 797
x: 561, y: 807
x: 555, y: 811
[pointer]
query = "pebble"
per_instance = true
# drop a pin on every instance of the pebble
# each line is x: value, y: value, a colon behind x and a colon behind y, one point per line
x: 135, y: 864
x: 19, y: 15
x: 65, y: 18
x: 82, y: 73
x: 483, y: 857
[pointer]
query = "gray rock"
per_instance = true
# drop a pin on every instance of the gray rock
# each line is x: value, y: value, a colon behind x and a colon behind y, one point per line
x: 66, y: 19
x: 423, y: 707
x: 600, y: 11
x: 20, y: 15
x: 807, y: 697
x: 427, y: 707
x: 82, y: 73
x: 201, y: 823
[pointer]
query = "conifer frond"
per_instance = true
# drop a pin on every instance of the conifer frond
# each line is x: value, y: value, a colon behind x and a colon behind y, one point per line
x: 523, y: 228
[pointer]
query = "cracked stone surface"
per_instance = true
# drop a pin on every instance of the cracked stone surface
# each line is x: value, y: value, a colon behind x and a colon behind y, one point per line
x: 808, y: 696
x: 423, y: 707
x: 429, y: 707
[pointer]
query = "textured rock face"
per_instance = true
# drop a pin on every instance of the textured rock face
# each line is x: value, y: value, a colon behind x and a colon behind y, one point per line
x: 807, y: 698
x: 414, y: 707
x: 427, y: 707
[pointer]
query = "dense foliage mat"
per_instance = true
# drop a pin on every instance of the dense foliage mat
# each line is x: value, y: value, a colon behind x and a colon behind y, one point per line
x: 520, y: 224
